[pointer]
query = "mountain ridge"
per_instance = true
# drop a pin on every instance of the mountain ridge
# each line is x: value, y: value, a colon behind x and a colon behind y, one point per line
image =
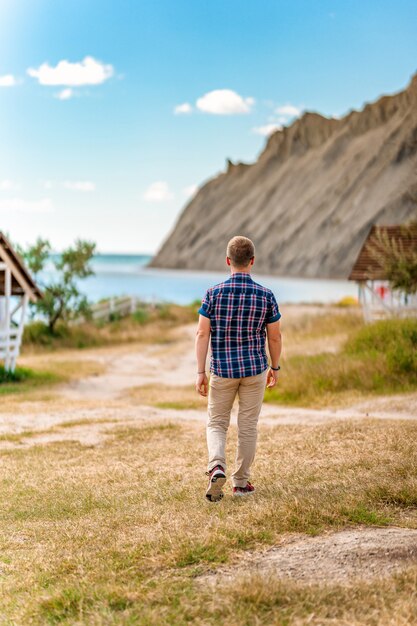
x: 309, y: 199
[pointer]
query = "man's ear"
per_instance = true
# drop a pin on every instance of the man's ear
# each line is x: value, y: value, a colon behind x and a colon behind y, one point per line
x: 227, y: 261
x: 252, y: 261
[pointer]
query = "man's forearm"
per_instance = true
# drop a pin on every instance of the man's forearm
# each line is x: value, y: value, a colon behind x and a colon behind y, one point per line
x: 201, y: 349
x: 275, y: 347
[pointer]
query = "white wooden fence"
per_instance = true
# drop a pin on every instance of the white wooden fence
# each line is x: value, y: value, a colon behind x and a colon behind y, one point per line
x: 10, y: 340
x: 113, y: 306
x: 11, y: 329
x: 11, y: 333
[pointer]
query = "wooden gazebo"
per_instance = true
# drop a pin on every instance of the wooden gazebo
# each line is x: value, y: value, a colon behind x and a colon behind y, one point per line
x: 17, y: 288
x: 376, y: 297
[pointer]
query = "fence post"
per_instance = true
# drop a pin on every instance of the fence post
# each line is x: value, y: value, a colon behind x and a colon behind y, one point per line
x: 7, y: 294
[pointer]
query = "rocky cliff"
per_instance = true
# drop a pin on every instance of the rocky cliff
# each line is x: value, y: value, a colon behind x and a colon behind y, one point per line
x: 309, y: 200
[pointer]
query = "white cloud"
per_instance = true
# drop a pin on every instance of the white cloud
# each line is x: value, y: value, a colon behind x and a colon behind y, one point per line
x: 190, y: 191
x: 283, y: 115
x: 7, y: 185
x: 288, y: 110
x: 7, y: 80
x: 27, y: 206
x: 65, y: 94
x: 266, y: 130
x: 79, y: 185
x: 183, y: 109
x: 158, y: 191
x: 86, y: 72
x: 224, y: 102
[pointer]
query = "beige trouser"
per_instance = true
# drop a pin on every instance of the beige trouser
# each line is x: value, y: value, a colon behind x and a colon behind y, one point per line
x: 222, y: 393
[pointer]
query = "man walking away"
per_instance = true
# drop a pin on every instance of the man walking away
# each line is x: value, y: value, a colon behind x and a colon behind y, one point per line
x: 237, y: 315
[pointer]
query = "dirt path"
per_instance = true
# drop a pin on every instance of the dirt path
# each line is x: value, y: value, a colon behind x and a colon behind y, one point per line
x: 135, y: 365
x: 105, y: 397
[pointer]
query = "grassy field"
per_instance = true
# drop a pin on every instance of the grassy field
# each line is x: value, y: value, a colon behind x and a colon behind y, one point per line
x: 330, y: 358
x: 379, y: 358
x: 366, y: 360
x: 120, y: 533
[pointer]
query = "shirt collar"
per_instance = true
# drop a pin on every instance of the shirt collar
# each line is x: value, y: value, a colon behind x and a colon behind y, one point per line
x: 241, y: 276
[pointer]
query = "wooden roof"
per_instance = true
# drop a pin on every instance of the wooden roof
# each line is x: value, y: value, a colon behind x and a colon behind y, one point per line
x: 22, y: 281
x: 366, y: 266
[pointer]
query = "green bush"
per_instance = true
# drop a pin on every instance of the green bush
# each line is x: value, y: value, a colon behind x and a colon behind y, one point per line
x: 377, y: 358
x: 115, y: 316
x: 396, y: 340
x: 20, y: 374
x: 141, y: 316
x: 39, y: 333
x: 24, y: 379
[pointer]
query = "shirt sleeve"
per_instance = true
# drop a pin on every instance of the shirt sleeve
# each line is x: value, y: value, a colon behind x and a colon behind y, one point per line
x: 273, y: 314
x: 206, y: 305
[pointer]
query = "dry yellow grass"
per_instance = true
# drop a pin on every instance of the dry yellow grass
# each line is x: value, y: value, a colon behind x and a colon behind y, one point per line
x: 168, y: 397
x: 117, y: 533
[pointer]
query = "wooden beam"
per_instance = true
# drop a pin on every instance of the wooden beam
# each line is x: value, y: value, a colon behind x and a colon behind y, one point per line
x: 17, y: 307
x: 17, y: 274
x: 7, y: 294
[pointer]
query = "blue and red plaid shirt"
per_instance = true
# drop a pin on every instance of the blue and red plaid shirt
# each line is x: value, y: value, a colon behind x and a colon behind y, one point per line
x: 239, y: 310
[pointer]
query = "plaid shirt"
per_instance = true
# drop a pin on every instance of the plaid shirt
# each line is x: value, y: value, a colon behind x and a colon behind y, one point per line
x: 239, y: 310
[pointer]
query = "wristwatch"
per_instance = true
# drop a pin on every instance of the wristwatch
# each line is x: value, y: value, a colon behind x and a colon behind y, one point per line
x: 275, y: 369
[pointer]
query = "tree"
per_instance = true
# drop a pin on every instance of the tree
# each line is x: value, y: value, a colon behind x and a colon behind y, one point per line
x: 62, y: 299
x: 397, y: 258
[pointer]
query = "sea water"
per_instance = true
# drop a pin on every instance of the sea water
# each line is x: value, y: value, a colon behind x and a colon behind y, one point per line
x: 127, y: 274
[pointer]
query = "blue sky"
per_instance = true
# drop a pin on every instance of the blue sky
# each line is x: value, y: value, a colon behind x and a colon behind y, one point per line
x: 104, y: 153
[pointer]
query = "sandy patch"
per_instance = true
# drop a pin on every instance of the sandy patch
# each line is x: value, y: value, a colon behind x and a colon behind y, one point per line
x: 338, y: 557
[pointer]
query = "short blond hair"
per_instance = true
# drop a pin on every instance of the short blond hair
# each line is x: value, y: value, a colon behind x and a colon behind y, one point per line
x: 240, y: 251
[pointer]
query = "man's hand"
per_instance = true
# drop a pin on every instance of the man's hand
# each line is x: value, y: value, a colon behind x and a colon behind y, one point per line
x: 271, y: 378
x: 201, y: 384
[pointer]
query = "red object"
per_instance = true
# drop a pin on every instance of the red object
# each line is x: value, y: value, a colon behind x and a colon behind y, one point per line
x: 382, y: 291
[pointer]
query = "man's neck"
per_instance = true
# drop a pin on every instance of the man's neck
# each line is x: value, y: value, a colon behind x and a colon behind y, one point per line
x: 239, y: 270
